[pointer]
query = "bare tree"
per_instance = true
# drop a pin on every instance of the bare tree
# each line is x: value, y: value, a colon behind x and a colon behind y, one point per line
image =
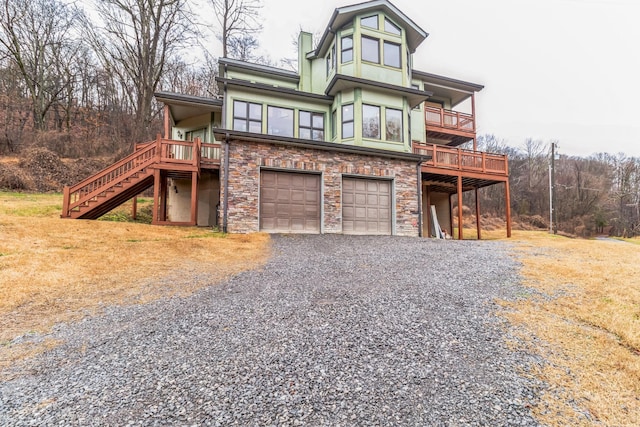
x: 38, y: 38
x: 136, y: 40
x: 237, y: 18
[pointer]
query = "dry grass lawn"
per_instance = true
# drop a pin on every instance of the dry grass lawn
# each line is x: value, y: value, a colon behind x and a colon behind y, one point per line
x: 54, y: 270
x: 586, y: 324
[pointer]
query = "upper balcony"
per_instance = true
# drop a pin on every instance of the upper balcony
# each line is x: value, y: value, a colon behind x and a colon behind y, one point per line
x: 457, y: 161
x: 452, y: 126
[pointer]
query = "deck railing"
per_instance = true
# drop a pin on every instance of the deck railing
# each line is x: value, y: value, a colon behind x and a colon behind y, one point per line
x: 449, y: 119
x: 461, y: 159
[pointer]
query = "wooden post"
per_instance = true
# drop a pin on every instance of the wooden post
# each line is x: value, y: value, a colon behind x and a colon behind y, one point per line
x: 167, y: 128
x: 460, y: 225
x: 427, y: 209
x: 156, y: 195
x: 134, y: 208
x: 450, y: 217
x: 163, y: 196
x: 194, y: 198
x: 478, y: 215
x: 508, y: 207
x: 473, y: 114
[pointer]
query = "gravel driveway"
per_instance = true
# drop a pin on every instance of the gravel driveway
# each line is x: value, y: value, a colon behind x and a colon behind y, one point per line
x: 333, y: 331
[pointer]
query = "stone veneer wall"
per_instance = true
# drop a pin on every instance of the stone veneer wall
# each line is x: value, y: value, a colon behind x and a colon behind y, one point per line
x: 246, y: 158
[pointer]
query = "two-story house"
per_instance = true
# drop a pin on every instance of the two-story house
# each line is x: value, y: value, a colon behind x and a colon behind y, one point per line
x: 356, y: 142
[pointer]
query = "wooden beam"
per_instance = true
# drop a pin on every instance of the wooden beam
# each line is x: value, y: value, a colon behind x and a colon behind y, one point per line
x: 478, y: 215
x: 167, y: 128
x: 508, y: 207
x: 427, y: 209
x: 134, y: 208
x: 460, y: 225
x: 164, y: 188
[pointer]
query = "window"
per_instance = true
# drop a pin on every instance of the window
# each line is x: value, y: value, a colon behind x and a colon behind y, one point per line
x: 347, y: 121
x: 334, y: 124
x: 392, y: 54
x: 370, y: 121
x: 279, y: 121
x: 347, y: 49
x: 370, y: 50
x: 391, y: 28
x: 247, y: 117
x: 331, y: 60
x: 393, y: 125
x: 328, y: 64
x: 370, y: 22
x: 311, y: 125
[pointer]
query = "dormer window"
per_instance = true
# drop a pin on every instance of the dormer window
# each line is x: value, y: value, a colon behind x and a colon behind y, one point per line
x: 370, y: 22
x: 391, y: 28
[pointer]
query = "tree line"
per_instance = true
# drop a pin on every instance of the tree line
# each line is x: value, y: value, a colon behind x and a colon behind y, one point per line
x: 79, y: 78
x: 595, y: 194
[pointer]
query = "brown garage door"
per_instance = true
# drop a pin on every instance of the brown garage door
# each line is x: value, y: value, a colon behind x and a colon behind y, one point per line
x: 366, y: 206
x: 289, y: 202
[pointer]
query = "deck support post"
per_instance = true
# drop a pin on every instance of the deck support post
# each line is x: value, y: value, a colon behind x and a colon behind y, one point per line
x: 460, y: 225
x: 167, y: 128
x: 134, y: 208
x: 478, y: 215
x: 156, y: 196
x: 508, y: 207
x: 427, y: 210
x: 164, y: 188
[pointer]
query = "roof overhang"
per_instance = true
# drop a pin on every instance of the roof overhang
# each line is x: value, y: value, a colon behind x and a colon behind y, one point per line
x: 344, y: 15
x: 231, y: 135
x: 257, y: 69
x: 184, y: 106
x: 340, y: 83
x: 446, y: 87
x: 262, y: 88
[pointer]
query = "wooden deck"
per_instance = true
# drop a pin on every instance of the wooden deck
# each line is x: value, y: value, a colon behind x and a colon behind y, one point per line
x: 453, y: 126
x: 448, y: 160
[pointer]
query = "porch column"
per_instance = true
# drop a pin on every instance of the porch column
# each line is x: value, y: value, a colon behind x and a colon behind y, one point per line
x: 156, y: 195
x: 194, y: 198
x: 166, y: 122
x: 427, y: 209
x: 508, y: 207
x: 164, y: 187
x: 478, y: 215
x: 460, y: 208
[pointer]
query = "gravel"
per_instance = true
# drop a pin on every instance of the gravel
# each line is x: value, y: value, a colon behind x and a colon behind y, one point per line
x: 333, y: 331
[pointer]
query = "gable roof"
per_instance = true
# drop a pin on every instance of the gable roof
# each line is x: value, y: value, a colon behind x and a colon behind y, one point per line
x: 343, y: 15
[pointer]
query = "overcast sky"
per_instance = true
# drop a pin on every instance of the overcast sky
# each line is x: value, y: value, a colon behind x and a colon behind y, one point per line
x: 564, y: 70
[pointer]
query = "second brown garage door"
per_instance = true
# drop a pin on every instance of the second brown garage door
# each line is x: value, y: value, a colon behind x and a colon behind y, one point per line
x: 366, y: 206
x: 289, y: 202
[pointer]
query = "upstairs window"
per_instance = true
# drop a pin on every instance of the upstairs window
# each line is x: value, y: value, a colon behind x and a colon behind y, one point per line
x: 370, y: 121
x: 370, y: 22
x: 391, y: 54
x: 334, y: 124
x: 247, y: 117
x: 346, y: 46
x: 391, y: 28
x: 279, y: 121
x: 393, y: 125
x: 370, y: 49
x: 347, y: 121
x: 311, y: 125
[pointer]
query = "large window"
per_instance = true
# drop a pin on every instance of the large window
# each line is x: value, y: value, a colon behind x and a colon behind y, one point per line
x: 392, y: 54
x: 370, y: 121
x: 247, y: 117
x: 347, y: 49
x: 311, y: 125
x: 347, y: 121
x: 279, y: 121
x: 393, y: 125
x: 370, y: 49
x: 334, y: 124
